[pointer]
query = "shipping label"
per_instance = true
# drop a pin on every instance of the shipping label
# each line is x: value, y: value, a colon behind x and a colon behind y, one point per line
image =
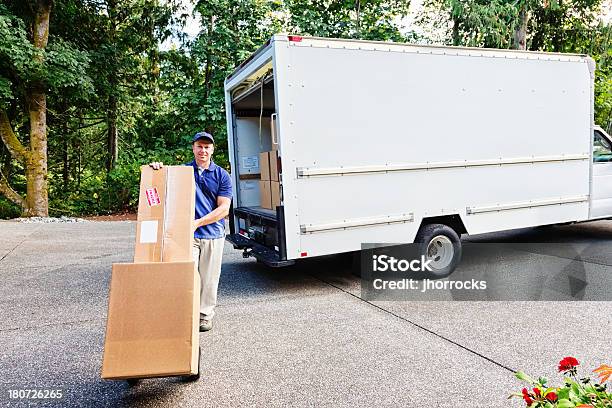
x: 148, y: 232
x: 152, y: 197
x: 250, y: 162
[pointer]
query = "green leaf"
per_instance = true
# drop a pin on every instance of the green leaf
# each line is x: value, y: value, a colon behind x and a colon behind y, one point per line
x: 524, y: 377
x: 563, y: 393
x: 574, y: 390
x: 565, y: 403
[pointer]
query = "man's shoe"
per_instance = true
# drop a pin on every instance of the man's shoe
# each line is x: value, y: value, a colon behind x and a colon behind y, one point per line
x: 205, y: 325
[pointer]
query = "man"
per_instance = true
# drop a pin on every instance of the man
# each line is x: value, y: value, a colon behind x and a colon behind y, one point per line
x: 213, y: 199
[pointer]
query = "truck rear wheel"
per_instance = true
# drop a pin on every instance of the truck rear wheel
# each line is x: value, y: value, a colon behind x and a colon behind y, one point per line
x: 442, y: 246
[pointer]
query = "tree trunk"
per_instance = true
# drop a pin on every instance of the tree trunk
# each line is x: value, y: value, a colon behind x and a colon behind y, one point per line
x: 558, y: 35
x: 76, y: 148
x: 111, y: 113
x: 7, y: 191
x: 520, y: 32
x: 358, y: 7
x: 36, y: 163
x: 17, y: 151
x: 7, y: 161
x: 456, y: 39
x: 65, y: 156
x: 34, y: 159
x: 113, y: 151
x: 209, y: 63
x: 37, y: 200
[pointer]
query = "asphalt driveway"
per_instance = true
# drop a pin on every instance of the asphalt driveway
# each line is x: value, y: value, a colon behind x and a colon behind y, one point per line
x: 300, y: 336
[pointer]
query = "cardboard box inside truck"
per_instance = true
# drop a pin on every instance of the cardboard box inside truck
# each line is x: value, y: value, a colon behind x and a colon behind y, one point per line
x: 152, y: 325
x: 265, y: 194
x: 275, y: 194
x: 264, y: 166
x: 273, y: 161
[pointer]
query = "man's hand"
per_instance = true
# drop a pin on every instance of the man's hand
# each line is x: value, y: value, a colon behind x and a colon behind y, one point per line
x: 215, y: 215
x: 196, y: 224
x: 156, y: 165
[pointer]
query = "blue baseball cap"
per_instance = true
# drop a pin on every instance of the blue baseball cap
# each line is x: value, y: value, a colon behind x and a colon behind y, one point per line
x: 203, y: 135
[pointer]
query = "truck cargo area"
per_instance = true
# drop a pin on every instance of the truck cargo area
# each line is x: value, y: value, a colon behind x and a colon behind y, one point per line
x: 258, y: 215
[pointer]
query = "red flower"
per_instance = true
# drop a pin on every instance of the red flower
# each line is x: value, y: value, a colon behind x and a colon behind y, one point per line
x: 551, y: 396
x: 537, y: 393
x: 567, y: 364
x: 527, y: 397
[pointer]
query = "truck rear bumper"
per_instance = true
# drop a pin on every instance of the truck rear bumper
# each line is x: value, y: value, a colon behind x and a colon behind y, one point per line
x: 260, y: 252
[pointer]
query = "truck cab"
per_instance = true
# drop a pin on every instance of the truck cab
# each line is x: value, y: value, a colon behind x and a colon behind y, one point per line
x: 601, y: 193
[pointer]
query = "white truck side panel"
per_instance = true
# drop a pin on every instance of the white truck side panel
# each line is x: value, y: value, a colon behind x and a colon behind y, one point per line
x: 347, y: 108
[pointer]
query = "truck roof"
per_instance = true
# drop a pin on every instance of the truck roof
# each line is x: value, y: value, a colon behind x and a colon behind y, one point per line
x: 341, y: 43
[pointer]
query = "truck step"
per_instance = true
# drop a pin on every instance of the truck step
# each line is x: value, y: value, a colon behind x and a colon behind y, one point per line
x: 262, y: 253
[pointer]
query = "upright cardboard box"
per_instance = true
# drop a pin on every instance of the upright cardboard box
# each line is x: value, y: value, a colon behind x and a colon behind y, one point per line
x: 153, y: 308
x: 273, y: 158
x: 265, y: 196
x: 269, y: 188
x: 264, y: 165
x: 275, y: 194
x: 165, y: 215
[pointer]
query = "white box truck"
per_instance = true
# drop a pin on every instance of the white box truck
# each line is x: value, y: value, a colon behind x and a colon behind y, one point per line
x: 384, y: 142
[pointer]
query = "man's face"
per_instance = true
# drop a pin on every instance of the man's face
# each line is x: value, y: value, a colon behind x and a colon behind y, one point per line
x: 203, y: 151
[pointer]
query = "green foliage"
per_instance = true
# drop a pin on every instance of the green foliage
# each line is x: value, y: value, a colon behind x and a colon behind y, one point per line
x: 66, y: 67
x: 573, y: 392
x: 601, y: 50
x: 6, y: 94
x: 15, y: 52
x: 8, y: 210
x: 60, y: 65
x: 368, y: 20
x: 104, y: 65
x: 473, y: 23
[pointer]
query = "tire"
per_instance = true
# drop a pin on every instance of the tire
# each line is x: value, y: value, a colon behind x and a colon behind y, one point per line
x: 354, y: 263
x: 441, y: 245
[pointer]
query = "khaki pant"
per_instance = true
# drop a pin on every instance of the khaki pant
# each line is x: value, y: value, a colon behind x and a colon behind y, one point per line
x: 208, y: 254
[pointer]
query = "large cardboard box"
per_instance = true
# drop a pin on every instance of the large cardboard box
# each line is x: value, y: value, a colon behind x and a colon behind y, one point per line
x: 264, y: 165
x: 152, y: 327
x: 265, y: 195
x: 166, y: 208
x: 153, y: 321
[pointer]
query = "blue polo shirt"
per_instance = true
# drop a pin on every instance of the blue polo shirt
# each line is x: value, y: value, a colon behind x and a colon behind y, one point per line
x: 214, y: 182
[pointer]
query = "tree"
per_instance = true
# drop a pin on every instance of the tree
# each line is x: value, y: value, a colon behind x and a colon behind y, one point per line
x: 231, y: 31
x: 363, y: 19
x: 31, y: 65
x: 130, y: 35
x: 473, y: 23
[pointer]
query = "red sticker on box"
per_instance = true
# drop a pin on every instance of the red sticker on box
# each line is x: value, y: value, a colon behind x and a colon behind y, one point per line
x: 152, y: 196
